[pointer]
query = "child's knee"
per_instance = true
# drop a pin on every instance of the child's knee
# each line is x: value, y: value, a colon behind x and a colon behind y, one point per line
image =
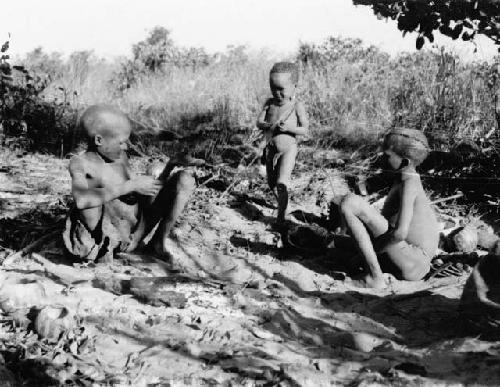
x: 185, y: 182
x: 415, y: 271
x: 349, y: 204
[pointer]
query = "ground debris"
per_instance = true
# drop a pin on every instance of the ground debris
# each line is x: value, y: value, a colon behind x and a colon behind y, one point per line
x: 233, y: 302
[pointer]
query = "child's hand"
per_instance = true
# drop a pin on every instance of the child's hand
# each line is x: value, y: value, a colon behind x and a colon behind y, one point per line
x: 284, y: 126
x: 382, y: 241
x: 146, y: 185
x: 393, y: 235
x: 280, y: 126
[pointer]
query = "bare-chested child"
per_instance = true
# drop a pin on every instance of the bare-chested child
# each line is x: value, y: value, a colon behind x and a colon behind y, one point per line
x: 404, y: 237
x: 282, y: 119
x: 114, y: 209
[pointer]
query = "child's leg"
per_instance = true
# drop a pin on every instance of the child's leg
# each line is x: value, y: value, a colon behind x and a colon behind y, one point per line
x: 271, y: 169
x: 284, y: 169
x: 360, y: 218
x: 169, y: 204
x: 408, y: 262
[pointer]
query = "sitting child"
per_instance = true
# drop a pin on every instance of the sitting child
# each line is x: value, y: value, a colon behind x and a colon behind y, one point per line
x: 282, y: 119
x: 115, y: 210
x: 404, y: 237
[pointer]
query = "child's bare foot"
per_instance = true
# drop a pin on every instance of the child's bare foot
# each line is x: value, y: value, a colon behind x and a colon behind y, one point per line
x: 369, y: 281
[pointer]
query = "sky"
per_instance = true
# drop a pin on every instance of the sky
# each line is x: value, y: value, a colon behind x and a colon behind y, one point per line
x: 110, y: 27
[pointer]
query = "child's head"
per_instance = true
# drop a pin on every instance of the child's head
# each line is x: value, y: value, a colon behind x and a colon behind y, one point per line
x: 107, y: 130
x: 283, y: 79
x: 408, y: 144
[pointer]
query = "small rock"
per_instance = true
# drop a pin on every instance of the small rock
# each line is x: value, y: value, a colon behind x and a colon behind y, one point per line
x: 360, y: 341
x: 52, y: 321
x: 466, y: 240
x: 487, y: 240
x: 155, y: 169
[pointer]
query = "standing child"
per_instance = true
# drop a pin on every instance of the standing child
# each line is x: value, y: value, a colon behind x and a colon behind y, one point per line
x: 403, y: 239
x: 282, y: 119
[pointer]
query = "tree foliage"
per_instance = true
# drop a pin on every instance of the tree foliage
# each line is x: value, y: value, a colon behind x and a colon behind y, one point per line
x: 44, y: 65
x: 157, y: 53
x: 454, y: 18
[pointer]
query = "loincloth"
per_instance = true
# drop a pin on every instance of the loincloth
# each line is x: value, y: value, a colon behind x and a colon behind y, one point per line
x: 282, y: 143
x: 112, y: 234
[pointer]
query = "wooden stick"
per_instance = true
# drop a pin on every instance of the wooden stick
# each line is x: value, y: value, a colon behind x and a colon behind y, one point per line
x: 215, y: 176
x: 235, y: 181
x: 30, y: 248
x: 457, y: 196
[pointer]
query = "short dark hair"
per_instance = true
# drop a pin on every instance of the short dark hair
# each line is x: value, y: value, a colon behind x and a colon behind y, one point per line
x: 408, y: 143
x: 103, y: 120
x: 286, y: 67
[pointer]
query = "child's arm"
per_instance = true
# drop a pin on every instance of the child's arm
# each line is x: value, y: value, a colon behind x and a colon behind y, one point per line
x: 262, y: 124
x: 87, y: 197
x: 407, y: 202
x: 409, y: 191
x: 302, y: 128
x: 482, y: 290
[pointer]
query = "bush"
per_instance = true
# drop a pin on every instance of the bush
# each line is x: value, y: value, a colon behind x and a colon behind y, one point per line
x: 157, y: 53
x: 27, y: 120
x: 353, y: 94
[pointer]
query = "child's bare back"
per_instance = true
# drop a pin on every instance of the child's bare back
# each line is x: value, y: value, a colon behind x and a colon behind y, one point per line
x: 423, y: 226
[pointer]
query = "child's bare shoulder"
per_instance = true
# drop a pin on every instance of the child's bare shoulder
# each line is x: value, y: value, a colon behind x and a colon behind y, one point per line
x: 83, y: 163
x: 269, y: 102
x: 410, y: 178
x: 299, y: 104
x: 300, y: 107
x: 410, y: 183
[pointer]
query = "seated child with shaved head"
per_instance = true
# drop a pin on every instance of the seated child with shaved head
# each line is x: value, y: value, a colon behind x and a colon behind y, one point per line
x: 404, y: 237
x: 114, y: 210
x: 282, y: 119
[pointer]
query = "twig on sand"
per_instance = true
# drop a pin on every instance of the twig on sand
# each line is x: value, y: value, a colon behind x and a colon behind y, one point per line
x: 235, y: 181
x: 30, y: 248
x: 422, y: 293
x: 215, y: 176
x: 456, y: 196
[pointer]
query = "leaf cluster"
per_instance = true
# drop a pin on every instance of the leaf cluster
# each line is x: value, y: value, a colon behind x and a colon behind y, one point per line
x: 454, y: 18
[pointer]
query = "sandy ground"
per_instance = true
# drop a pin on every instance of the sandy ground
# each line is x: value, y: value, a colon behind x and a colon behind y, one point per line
x: 238, y: 309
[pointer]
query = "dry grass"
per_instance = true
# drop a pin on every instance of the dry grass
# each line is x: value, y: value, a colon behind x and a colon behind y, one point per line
x: 352, y: 94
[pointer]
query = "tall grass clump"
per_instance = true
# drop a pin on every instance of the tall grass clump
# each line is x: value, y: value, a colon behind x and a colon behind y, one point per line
x: 451, y: 101
x: 212, y: 103
x: 346, y: 91
x: 355, y: 93
x: 207, y: 103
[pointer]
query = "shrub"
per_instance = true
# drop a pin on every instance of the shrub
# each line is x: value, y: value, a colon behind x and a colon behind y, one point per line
x: 157, y: 53
x: 353, y: 94
x: 26, y: 118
